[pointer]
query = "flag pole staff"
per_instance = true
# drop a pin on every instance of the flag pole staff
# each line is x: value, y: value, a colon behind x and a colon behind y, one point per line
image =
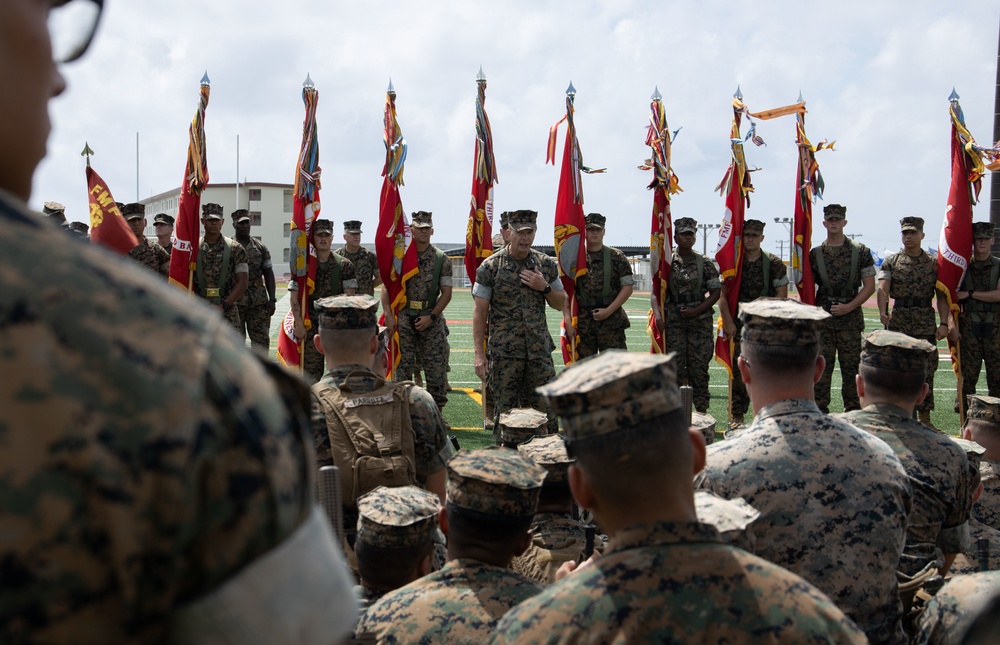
x: 310, y: 88
x: 953, y: 312
x: 570, y: 100
x: 87, y: 152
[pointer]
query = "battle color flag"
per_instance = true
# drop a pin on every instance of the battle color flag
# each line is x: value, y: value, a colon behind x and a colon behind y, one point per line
x: 397, y: 257
x: 186, y: 234
x: 479, y: 233
x: 305, y: 210
x: 107, y: 226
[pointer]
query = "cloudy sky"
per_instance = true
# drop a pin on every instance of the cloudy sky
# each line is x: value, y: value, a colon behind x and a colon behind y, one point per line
x: 875, y: 75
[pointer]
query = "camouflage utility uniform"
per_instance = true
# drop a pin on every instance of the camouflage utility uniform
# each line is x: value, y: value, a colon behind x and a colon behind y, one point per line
x: 980, y: 328
x: 152, y: 256
x: 555, y: 538
x: 365, y: 268
x: 675, y: 578
x: 838, y: 271
x: 691, y: 278
x: 987, y: 508
x: 520, y: 346
x: 212, y: 281
x: 942, y: 481
x: 912, y: 288
x: 332, y: 277
x: 146, y: 457
x: 428, y: 349
x: 608, y: 270
x: 254, y: 304
x: 952, y: 611
x: 835, y: 516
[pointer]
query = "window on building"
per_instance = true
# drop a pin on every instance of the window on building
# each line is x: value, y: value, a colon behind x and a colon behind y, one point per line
x: 288, y: 201
x: 255, y: 194
x: 286, y: 253
x: 254, y: 218
x: 286, y: 229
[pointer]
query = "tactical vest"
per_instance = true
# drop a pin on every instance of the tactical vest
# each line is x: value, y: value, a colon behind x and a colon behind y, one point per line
x: 215, y: 294
x: 845, y: 293
x: 424, y: 307
x: 606, y: 298
x: 371, y: 437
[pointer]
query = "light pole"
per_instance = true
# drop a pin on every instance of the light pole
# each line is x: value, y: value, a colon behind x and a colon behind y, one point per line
x: 790, y: 223
x: 705, y: 228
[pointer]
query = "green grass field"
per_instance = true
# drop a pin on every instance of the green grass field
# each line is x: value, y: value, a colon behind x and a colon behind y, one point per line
x: 464, y: 410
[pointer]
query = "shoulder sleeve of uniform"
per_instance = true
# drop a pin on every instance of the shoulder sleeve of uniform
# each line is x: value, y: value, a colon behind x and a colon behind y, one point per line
x: 346, y: 269
x: 321, y: 435
x: 485, y: 272
x: 432, y: 448
x: 885, y: 271
x: 549, y: 269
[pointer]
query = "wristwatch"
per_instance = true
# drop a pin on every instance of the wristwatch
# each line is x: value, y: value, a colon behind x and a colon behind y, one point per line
x: 547, y: 289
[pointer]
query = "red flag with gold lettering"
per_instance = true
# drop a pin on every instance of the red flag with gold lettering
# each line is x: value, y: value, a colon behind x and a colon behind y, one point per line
x: 184, y: 256
x: 107, y: 226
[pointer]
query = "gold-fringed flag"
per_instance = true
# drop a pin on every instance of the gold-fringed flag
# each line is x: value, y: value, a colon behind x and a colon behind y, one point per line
x: 305, y: 209
x: 570, y: 225
x: 955, y: 243
x: 479, y: 232
x: 188, y: 225
x: 397, y: 257
x: 107, y: 226
x: 735, y: 187
x: 664, y: 184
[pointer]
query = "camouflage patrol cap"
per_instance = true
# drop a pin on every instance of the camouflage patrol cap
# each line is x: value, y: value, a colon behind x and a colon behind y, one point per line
x: 504, y: 219
x: 834, y: 211
x: 398, y: 517
x: 495, y: 481
x: 891, y: 350
x: 347, y: 312
x: 422, y: 219
x: 595, y: 220
x: 780, y: 322
x: 523, y: 220
x: 685, y: 225
x: 211, y: 211
x: 982, y: 230
x: 163, y: 218
x: 352, y: 226
x: 984, y: 407
x: 521, y: 424
x: 911, y: 224
x: 120, y: 205
x: 612, y: 391
x: 549, y: 452
x: 133, y: 211
x: 79, y: 227
x: 323, y: 226
x: 51, y: 208
x: 240, y: 215
x: 753, y: 226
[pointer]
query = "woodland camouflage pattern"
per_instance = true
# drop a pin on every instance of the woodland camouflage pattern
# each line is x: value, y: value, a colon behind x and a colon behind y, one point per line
x: 913, y: 277
x: 313, y: 362
x: 399, y: 517
x: 609, y: 333
x: 691, y: 338
x: 210, y: 257
x: 853, y: 495
x: 732, y: 518
x: 494, y: 481
x: 461, y: 603
x: 977, y: 345
x: 145, y: 455
x: 941, y: 478
x: 549, y: 452
x: 841, y: 335
x: 681, y: 584
x: 428, y: 349
x: 365, y: 268
x: 152, y: 256
x: 556, y: 538
x: 987, y: 509
x: 951, y: 612
x: 253, y: 305
x: 431, y: 447
x: 522, y: 424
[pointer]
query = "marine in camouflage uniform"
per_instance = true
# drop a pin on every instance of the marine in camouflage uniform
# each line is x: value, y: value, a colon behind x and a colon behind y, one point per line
x: 982, y: 425
x: 909, y: 278
x: 256, y: 305
x: 163, y: 224
x: 968, y: 562
x: 511, y: 291
x: 979, y: 298
x: 687, y: 312
x: 673, y: 580
x: 492, y: 495
x: 965, y: 602
x: 334, y: 276
x: 149, y: 254
x: 364, y: 261
x: 837, y: 515
x: 219, y: 283
x: 844, y: 273
x: 754, y: 284
x: 427, y: 294
x: 147, y: 460
x: 601, y: 294
x: 941, y: 477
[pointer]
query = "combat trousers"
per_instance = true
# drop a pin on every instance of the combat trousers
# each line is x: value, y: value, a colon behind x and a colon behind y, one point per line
x: 740, y: 398
x: 255, y: 322
x: 932, y: 366
x: 427, y: 349
x: 845, y: 344
x: 693, y: 342
x: 512, y: 382
x: 598, y: 335
x: 975, y: 350
x: 313, y: 362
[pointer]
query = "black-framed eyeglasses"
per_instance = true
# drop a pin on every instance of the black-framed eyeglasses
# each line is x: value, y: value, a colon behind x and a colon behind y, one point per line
x: 72, y: 24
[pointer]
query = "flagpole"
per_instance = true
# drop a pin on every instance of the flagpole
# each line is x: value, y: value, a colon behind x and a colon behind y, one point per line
x: 995, y: 181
